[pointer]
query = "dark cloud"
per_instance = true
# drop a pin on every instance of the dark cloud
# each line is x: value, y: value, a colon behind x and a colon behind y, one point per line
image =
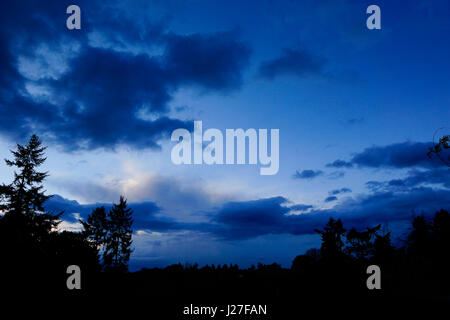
x: 330, y: 199
x: 258, y: 213
x: 374, y: 185
x: 241, y: 220
x: 352, y: 121
x: 333, y: 193
x: 336, y: 175
x: 95, y: 88
x: 386, y: 206
x: 397, y: 155
x: 249, y: 219
x: 339, y: 191
x: 437, y: 176
x: 299, y: 63
x: 104, y: 113
x: 307, y: 174
x: 144, y: 213
x: 181, y: 108
x: 433, y: 176
x: 210, y: 61
x: 339, y: 164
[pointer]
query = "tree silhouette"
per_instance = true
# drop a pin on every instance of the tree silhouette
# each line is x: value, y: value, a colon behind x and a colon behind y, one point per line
x: 23, y: 199
x: 440, y: 237
x: 27, y: 231
x: 361, y: 242
x: 332, y: 244
x: 95, y: 229
x: 383, y: 248
x: 419, y: 239
x: 441, y: 229
x: 117, y: 249
x: 438, y: 149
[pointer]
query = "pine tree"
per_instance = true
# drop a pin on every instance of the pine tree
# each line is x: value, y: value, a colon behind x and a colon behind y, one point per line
x: 361, y: 243
x: 95, y: 229
x: 118, y: 240
x: 27, y: 231
x: 420, y: 238
x: 383, y: 248
x: 22, y: 200
x: 332, y: 243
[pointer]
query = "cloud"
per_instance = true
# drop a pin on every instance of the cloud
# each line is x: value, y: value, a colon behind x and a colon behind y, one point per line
x: 294, y: 62
x: 241, y: 220
x: 397, y: 155
x: 336, y: 175
x: 97, y: 89
x: 144, y: 213
x: 87, y: 191
x: 440, y: 176
x: 386, y: 206
x: 307, y: 174
x: 250, y: 219
x: 330, y: 199
x: 260, y: 213
x: 352, y: 121
x: 339, y: 164
x: 176, y: 198
x: 339, y: 191
x: 212, y: 61
x: 374, y: 185
x: 301, y: 207
x: 437, y: 177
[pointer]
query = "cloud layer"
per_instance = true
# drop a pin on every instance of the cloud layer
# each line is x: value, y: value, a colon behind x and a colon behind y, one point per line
x: 307, y: 174
x: 250, y: 219
x: 294, y: 62
x: 95, y: 88
x: 396, y: 155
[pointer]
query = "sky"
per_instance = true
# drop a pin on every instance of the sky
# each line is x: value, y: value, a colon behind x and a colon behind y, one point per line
x: 356, y: 111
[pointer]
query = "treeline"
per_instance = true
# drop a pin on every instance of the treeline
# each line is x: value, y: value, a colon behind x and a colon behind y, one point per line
x: 338, y: 269
x: 35, y: 254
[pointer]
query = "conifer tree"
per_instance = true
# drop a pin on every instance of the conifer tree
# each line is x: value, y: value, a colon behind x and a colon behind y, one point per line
x: 332, y: 243
x: 22, y: 200
x: 118, y: 242
x: 95, y: 229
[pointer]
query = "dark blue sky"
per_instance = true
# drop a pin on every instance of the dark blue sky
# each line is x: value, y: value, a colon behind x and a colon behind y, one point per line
x: 356, y: 110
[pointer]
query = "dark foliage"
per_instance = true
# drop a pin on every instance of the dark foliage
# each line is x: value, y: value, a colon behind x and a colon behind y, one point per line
x: 439, y: 150
x: 110, y: 234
